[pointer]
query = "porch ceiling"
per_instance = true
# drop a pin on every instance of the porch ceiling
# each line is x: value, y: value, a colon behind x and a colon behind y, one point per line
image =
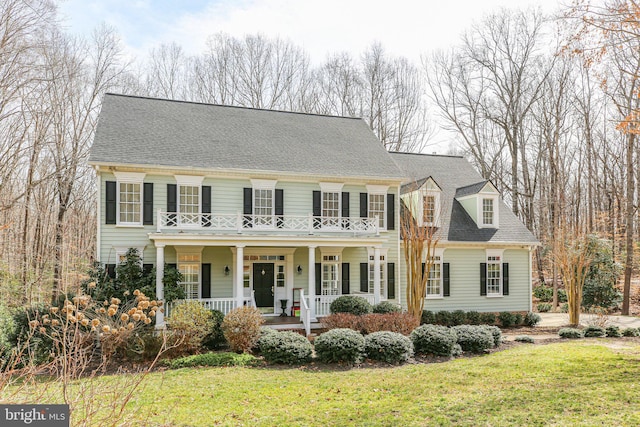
x: 248, y: 240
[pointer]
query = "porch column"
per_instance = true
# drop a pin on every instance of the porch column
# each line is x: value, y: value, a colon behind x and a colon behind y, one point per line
x: 376, y: 275
x: 312, y: 281
x: 238, y: 289
x: 159, y: 284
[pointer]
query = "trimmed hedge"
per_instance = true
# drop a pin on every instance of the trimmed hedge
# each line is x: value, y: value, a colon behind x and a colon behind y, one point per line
x: 524, y: 338
x: 350, y: 304
x: 390, y: 347
x: 433, y: 339
x: 340, y: 345
x: 495, y: 332
x: 475, y: 339
x: 386, y: 307
x: 594, y: 332
x: 631, y: 332
x: 571, y: 333
x: 285, y: 347
x: 613, y: 331
x: 532, y: 319
x: 212, y: 359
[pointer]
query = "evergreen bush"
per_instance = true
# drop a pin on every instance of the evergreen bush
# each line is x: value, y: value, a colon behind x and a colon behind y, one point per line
x: 571, y: 333
x: 475, y: 339
x: 433, y: 339
x: 390, y: 347
x: 386, y: 307
x: 350, y: 304
x: 532, y: 319
x: 594, y: 332
x: 340, y: 345
x: 285, y: 347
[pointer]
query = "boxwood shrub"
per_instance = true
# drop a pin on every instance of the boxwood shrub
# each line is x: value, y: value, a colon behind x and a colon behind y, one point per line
x: 444, y: 318
x: 285, y: 347
x: 212, y: 359
x: 570, y: 333
x: 350, y: 304
x: 532, y: 319
x: 475, y: 339
x: 458, y: 317
x: 428, y: 317
x: 631, y: 332
x: 594, y: 331
x: 473, y: 318
x: 340, y: 345
x: 507, y: 319
x: 495, y: 332
x: 488, y: 318
x: 433, y: 339
x: 386, y: 307
x: 544, y: 307
x: 390, y: 347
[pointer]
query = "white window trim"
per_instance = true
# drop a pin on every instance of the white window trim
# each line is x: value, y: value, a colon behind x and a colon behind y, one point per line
x: 129, y: 178
x: 495, y: 198
x: 437, y: 208
x: 263, y: 184
x: 437, y: 252
x: 192, y: 250
x: 491, y: 253
x: 378, y: 190
x: 189, y: 181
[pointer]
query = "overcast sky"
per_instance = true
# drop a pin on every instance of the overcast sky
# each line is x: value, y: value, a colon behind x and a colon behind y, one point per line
x: 404, y: 27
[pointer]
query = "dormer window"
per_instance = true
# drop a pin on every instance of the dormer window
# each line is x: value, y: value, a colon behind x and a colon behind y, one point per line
x: 431, y: 208
x: 487, y: 211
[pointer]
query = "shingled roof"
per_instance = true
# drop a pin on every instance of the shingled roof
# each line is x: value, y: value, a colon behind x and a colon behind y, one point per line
x: 453, y: 173
x: 163, y: 133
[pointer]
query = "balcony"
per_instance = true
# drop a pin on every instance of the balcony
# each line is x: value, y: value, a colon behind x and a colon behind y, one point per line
x: 286, y: 224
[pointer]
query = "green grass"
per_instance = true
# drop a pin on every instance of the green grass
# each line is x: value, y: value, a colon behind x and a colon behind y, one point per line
x: 591, y: 382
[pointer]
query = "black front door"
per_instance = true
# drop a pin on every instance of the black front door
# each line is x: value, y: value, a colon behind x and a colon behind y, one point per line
x: 263, y: 284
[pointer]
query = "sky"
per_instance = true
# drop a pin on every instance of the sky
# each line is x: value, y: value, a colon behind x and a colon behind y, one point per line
x: 406, y: 28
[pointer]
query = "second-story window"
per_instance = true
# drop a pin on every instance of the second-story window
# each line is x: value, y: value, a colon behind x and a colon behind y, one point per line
x: 487, y: 211
x: 263, y: 206
x: 330, y: 204
x: 129, y: 198
x: 377, y: 207
x: 429, y: 208
x: 189, y: 199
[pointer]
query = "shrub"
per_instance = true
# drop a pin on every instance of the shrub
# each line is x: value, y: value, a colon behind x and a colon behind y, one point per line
x: 488, y: 318
x: 475, y: 339
x: 562, y: 295
x: 524, y: 338
x: 631, y: 332
x: 456, y: 351
x: 518, y: 319
x: 241, y: 328
x: 458, y: 317
x: 7, y: 329
x: 350, y: 304
x: 286, y: 347
x: 570, y: 333
x: 427, y: 318
x: 402, y: 323
x: 433, y: 339
x: 191, y: 322
x: 600, y: 284
x: 40, y: 346
x: 495, y: 332
x: 564, y: 308
x: 341, y: 321
x: 594, y: 332
x: 613, y: 331
x: 532, y: 319
x: 507, y: 319
x: 544, y: 307
x: 340, y: 345
x: 215, y: 338
x: 390, y: 347
x: 543, y: 293
x: 444, y: 318
x: 212, y: 359
x: 473, y: 318
x: 386, y: 307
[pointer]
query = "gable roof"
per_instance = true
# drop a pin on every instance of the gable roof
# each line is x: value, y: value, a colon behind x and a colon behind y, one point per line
x: 158, y: 132
x: 410, y: 186
x: 469, y: 190
x: 454, y: 173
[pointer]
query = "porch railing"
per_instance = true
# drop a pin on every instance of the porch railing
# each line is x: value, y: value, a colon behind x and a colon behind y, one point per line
x: 224, y: 305
x: 241, y: 223
x: 305, y: 313
x: 324, y: 301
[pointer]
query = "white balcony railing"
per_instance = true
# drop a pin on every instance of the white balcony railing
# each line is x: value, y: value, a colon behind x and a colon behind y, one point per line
x: 324, y: 301
x: 241, y: 223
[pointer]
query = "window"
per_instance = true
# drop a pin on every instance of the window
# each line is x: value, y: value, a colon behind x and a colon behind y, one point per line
x: 383, y: 276
x: 189, y: 267
x: 189, y: 199
x: 434, y: 281
x: 263, y: 207
x: 280, y: 282
x: 429, y: 208
x: 129, y: 198
x: 377, y: 207
x: 330, y: 274
x: 487, y: 212
x: 330, y: 209
x: 246, y: 275
x: 493, y: 275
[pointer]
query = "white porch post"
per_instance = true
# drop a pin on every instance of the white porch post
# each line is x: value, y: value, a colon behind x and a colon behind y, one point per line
x: 159, y: 284
x: 376, y: 275
x: 238, y: 289
x: 312, y: 281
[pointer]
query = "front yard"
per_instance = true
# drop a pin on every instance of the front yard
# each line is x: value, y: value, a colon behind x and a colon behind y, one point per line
x: 587, y: 382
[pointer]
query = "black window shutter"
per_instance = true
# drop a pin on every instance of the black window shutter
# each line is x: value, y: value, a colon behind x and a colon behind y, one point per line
x: 111, y: 271
x: 391, y: 211
x: 110, y: 205
x: 483, y: 278
x: 317, y: 208
x: 205, y: 292
x: 279, y: 207
x: 172, y: 203
x: 505, y: 278
x: 247, y: 205
x: 346, y: 282
x: 147, y: 206
x: 345, y: 205
x: 391, y: 280
x: 318, y: 278
x: 146, y: 269
x: 446, y: 288
x: 206, y: 205
x: 364, y: 277
x: 364, y: 205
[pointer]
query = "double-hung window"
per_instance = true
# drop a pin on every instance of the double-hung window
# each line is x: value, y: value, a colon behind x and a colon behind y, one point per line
x: 129, y: 198
x: 434, y: 279
x: 263, y: 202
x: 487, y: 211
x: 330, y: 204
x: 189, y: 267
x: 331, y: 274
x: 429, y: 209
x: 189, y: 199
x: 494, y: 275
x: 377, y: 196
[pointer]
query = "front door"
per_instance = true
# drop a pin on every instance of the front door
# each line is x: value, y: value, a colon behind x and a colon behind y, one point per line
x: 263, y: 284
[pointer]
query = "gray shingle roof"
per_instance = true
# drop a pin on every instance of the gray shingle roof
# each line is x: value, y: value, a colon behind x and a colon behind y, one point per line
x: 468, y: 190
x: 453, y: 173
x: 156, y: 132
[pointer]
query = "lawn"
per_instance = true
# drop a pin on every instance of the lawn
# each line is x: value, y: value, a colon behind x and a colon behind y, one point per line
x: 586, y: 382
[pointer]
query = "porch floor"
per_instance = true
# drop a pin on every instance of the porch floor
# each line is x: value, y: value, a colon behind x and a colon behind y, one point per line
x: 288, y: 322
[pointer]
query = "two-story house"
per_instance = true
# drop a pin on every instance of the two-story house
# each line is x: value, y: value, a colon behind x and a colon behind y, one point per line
x: 269, y: 208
